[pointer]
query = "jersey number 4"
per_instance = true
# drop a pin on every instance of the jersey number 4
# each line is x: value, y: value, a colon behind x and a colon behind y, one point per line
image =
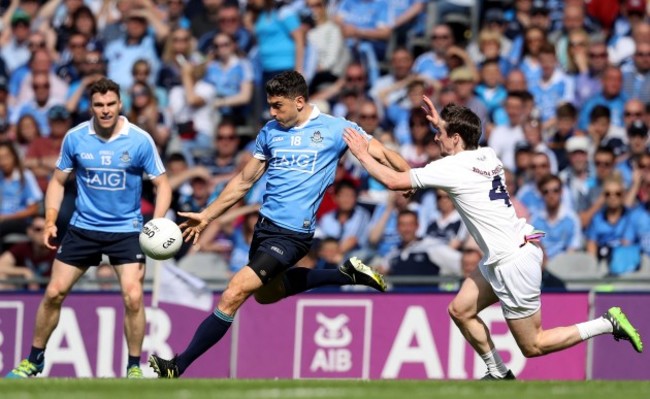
x: 499, y: 192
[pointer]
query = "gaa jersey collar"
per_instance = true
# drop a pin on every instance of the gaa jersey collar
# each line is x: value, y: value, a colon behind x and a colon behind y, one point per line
x: 124, y: 131
x: 315, y: 113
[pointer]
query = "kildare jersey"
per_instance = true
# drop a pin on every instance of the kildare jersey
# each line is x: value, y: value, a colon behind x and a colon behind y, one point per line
x: 301, y: 165
x: 109, y: 175
x: 476, y: 184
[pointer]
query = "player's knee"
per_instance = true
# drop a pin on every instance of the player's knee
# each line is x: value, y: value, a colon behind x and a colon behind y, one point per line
x: 133, y: 298
x: 457, y: 312
x: 54, y: 294
x: 531, y: 350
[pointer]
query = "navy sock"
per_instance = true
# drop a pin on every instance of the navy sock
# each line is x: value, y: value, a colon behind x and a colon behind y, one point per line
x: 36, y: 355
x: 300, y: 279
x: 213, y: 328
x: 133, y: 361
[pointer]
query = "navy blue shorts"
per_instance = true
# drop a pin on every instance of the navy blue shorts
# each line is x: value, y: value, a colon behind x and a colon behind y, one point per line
x: 285, y: 247
x: 83, y: 248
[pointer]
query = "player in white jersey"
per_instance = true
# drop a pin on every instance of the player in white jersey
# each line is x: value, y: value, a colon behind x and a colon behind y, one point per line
x: 511, y: 269
x: 110, y: 157
x: 298, y: 151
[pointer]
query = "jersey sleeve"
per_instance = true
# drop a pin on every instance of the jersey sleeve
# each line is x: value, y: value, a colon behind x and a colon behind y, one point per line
x: 356, y: 127
x: 66, y: 161
x: 152, y: 163
x: 261, y: 145
x: 442, y: 173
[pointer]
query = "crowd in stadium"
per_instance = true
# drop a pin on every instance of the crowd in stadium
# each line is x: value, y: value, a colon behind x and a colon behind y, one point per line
x: 562, y: 88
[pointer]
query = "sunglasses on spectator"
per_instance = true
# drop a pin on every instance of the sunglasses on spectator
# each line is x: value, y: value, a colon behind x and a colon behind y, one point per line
x: 642, y: 54
x: 554, y: 190
x: 37, y: 229
x: 228, y: 19
x: 440, y: 37
x: 603, y: 163
x: 643, y: 165
x: 634, y: 114
x: 41, y: 86
x: 315, y: 5
x: 354, y: 78
x: 368, y: 116
x: 226, y: 138
x: 222, y: 44
x: 598, y: 55
x: 613, y: 194
x: 576, y: 44
x: 36, y: 44
x: 539, y: 166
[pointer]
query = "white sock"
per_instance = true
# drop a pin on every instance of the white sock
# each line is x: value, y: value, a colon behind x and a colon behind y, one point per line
x: 594, y: 327
x: 494, y: 363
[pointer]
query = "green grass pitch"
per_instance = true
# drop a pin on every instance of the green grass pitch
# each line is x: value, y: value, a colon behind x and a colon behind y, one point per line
x: 318, y: 389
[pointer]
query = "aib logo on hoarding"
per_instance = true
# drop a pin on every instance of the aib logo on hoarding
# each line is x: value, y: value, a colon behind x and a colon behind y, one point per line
x: 11, y: 333
x: 325, y: 345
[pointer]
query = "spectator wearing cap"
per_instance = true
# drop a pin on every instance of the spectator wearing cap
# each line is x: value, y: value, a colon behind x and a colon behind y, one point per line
x: 43, y: 152
x: 14, y: 38
x: 576, y: 175
x: 637, y: 139
x: 610, y: 96
x: 560, y: 222
x: 39, y: 106
x: 136, y: 43
x: 432, y: 63
x: 636, y: 78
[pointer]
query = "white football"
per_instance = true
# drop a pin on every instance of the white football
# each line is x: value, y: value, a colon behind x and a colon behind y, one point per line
x: 160, y: 239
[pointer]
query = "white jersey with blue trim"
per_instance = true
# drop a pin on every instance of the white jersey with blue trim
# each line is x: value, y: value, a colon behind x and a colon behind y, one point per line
x: 302, y: 163
x: 109, y: 175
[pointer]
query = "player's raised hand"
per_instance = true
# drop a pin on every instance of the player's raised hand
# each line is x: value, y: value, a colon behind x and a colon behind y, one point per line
x: 357, y: 143
x: 432, y: 115
x: 49, y: 232
x: 193, y: 226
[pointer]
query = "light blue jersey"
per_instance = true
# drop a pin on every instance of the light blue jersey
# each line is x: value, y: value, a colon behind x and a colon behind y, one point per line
x: 301, y: 165
x: 109, y: 175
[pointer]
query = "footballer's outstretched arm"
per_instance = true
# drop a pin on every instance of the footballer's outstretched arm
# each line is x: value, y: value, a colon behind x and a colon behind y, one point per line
x: 359, y: 147
x: 231, y: 194
x: 387, y: 156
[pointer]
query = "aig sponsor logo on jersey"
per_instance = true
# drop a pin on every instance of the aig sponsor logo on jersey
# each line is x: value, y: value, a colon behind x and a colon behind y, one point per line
x: 106, y: 179
x: 299, y: 160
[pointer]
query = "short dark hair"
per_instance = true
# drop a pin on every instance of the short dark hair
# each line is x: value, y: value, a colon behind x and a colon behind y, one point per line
x: 600, y: 111
x: 289, y: 84
x: 463, y: 121
x: 548, y: 179
x: 345, y: 183
x: 103, y: 86
x: 567, y: 110
x: 408, y: 212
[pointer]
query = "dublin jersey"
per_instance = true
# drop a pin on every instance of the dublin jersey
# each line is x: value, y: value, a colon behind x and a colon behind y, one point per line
x: 109, y: 175
x: 476, y: 184
x: 301, y: 165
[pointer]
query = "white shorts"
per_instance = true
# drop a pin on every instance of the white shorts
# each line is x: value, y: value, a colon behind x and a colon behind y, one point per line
x: 517, y: 281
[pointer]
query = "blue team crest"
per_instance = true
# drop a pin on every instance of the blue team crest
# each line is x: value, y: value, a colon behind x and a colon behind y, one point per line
x: 317, y: 138
x: 125, y: 157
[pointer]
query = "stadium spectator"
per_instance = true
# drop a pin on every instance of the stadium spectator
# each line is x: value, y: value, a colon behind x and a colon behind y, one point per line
x: 502, y: 241
x: 207, y: 17
x: 575, y: 176
x: 391, y: 87
x: 26, y: 131
x: 229, y: 21
x: 223, y: 159
x: 636, y: 78
x: 29, y: 261
x: 146, y: 114
x: 280, y: 39
x: 529, y: 64
x: 561, y: 223
x: 326, y: 40
x: 348, y: 223
x: 72, y: 59
x: 43, y: 152
x: 554, y: 86
x: 433, y: 63
x: 612, y: 226
x: 78, y: 99
x: 180, y: 47
x: 105, y: 221
x: 40, y: 105
x: 232, y: 78
x: 589, y: 71
x: 611, y: 96
x: 604, y: 161
x: 416, y: 150
x: 637, y: 139
x: 634, y: 111
x: 529, y: 193
x: 366, y: 26
x: 22, y: 85
x: 416, y: 256
x: 409, y: 19
x: 21, y: 196
x: 639, y: 192
x: 383, y: 236
x: 14, y: 38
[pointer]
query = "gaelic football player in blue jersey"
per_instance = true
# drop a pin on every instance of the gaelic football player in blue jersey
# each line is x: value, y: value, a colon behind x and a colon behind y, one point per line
x: 299, y: 151
x: 110, y: 157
